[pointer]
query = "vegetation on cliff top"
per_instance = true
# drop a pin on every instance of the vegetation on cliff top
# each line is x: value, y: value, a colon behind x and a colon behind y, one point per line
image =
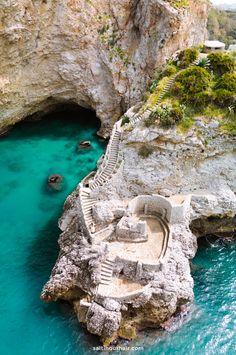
x: 206, y: 91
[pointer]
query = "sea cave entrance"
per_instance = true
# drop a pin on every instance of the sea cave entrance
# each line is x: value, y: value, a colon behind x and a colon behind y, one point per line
x: 64, y: 109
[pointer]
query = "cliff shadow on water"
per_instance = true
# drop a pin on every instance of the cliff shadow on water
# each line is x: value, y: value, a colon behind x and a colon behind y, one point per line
x: 38, y: 147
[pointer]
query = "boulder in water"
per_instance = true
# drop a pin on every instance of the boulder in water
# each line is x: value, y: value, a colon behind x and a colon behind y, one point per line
x: 84, y: 144
x: 55, y: 182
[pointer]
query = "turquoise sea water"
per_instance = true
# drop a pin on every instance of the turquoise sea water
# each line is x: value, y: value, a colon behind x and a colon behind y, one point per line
x: 28, y: 250
x: 28, y: 228
x: 210, y: 327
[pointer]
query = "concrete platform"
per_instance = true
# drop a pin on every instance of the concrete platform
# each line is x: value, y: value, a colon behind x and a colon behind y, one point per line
x: 146, y: 252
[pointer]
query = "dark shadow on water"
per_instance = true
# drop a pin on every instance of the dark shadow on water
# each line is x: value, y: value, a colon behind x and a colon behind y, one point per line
x: 49, y: 191
x: 5, y: 190
x: 42, y: 256
x: 71, y: 115
x: 14, y: 166
x: 44, y: 250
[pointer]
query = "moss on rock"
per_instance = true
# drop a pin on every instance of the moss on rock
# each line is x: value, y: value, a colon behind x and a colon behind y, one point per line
x: 128, y: 332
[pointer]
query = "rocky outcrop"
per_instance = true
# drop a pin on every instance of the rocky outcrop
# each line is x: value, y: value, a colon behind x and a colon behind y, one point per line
x: 98, y: 54
x: 180, y: 162
x: 159, y: 290
x: 192, y: 176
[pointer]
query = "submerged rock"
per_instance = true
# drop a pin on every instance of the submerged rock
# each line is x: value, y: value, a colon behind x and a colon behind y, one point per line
x: 84, y: 144
x: 55, y: 182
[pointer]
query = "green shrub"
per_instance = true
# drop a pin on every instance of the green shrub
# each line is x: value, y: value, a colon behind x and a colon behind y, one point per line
x: 125, y: 119
x: 177, y: 113
x: 150, y: 121
x: 200, y: 47
x: 221, y: 63
x: 233, y: 54
x: 169, y: 70
x: 227, y: 82
x: 224, y: 98
x: 161, y: 73
x: 204, y: 63
x: 156, y: 77
x: 145, y: 151
x: 177, y: 88
x: 153, y: 85
x: 230, y: 127
x: 187, y: 56
x: 167, y: 121
x: 186, y: 123
x: 167, y: 114
x: 190, y: 83
x: 202, y: 99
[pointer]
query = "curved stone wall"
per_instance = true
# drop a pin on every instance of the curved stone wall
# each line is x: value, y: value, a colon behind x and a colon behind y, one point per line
x: 151, y: 204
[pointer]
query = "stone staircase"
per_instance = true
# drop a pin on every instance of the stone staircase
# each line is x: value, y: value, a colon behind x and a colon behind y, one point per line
x: 136, y: 118
x: 103, y: 175
x: 165, y: 90
x: 110, y: 160
x: 107, y: 271
x: 86, y: 205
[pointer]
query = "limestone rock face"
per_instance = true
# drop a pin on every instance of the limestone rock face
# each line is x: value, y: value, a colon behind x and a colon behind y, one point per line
x: 200, y: 162
x: 98, y: 54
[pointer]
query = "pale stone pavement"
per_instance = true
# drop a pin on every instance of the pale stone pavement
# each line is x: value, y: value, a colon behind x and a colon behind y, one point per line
x: 118, y: 287
x: 147, y: 252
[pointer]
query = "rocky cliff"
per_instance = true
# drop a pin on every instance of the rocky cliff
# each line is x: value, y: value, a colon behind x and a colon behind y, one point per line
x: 98, y: 54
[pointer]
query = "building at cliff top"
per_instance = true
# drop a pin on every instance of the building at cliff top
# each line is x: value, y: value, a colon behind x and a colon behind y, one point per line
x: 214, y: 46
